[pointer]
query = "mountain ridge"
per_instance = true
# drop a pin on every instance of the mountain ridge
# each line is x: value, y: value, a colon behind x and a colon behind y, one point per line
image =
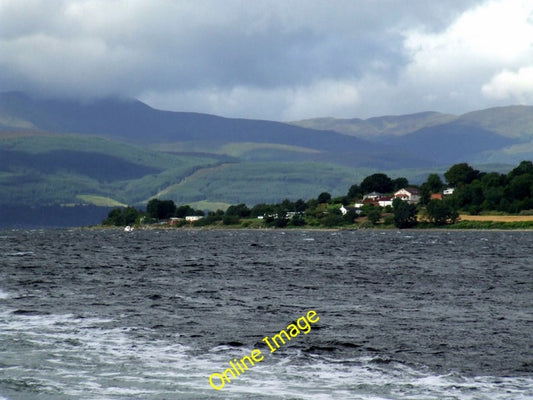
x: 353, y: 142
x: 122, y: 151
x: 512, y: 121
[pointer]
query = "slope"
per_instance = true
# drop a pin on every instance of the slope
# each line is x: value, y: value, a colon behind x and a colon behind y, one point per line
x: 135, y: 122
x: 50, y: 169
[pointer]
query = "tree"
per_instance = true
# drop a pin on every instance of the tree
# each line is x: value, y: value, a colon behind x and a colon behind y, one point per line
x: 129, y: 215
x: 230, y: 219
x: 525, y: 167
x: 520, y: 186
x: 183, y: 211
x: 350, y: 216
x: 404, y: 214
x: 460, y: 174
x: 122, y: 216
x: 333, y: 219
x: 261, y: 209
x: 354, y: 191
x: 425, y: 194
x: 281, y: 219
x: 400, y: 183
x: 297, y: 220
x: 239, y: 210
x: 114, y: 217
x: 377, y: 183
x: 440, y: 212
x: 160, y: 209
x: 300, y: 205
x: 434, y: 183
x: 373, y: 213
x: 469, y: 195
x: 324, y: 197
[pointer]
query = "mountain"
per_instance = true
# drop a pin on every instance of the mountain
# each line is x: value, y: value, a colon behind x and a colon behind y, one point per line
x: 374, y: 128
x: 135, y: 122
x: 495, y: 135
x: 109, y: 152
x: 380, y: 142
x: 510, y: 121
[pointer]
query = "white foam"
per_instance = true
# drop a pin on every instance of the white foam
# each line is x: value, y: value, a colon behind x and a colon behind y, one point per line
x: 3, y: 295
x: 86, y: 358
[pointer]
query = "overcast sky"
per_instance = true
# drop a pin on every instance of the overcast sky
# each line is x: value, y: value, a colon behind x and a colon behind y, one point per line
x: 279, y: 59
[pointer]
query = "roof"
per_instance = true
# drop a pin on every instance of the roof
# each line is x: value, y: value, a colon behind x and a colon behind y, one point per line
x: 410, y: 190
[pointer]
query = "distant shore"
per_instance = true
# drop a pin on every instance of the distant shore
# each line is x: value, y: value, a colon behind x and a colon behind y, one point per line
x: 466, y: 222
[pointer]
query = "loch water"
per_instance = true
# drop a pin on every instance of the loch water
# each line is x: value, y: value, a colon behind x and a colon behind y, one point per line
x: 152, y: 314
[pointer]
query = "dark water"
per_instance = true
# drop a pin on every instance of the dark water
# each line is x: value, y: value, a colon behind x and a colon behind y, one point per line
x: 90, y: 314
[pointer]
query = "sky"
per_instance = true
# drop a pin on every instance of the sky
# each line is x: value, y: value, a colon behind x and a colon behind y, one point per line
x: 281, y: 60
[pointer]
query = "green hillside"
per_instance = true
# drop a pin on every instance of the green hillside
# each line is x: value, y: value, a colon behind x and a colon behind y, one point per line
x: 47, y: 169
x: 39, y: 169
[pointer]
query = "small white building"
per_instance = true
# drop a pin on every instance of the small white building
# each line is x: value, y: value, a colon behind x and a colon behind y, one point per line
x: 193, y: 218
x: 449, y: 191
x: 385, y: 201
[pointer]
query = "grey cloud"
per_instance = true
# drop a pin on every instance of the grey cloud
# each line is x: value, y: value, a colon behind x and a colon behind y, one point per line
x: 209, y: 50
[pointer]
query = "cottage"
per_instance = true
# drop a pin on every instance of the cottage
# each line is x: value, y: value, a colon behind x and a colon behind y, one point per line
x: 436, y: 196
x: 411, y: 195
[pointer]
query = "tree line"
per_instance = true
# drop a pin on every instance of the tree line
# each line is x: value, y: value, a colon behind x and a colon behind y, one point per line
x: 474, y: 192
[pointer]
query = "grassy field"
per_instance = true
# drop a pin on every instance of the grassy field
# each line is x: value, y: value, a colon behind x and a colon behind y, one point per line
x: 100, y: 201
x: 497, y: 218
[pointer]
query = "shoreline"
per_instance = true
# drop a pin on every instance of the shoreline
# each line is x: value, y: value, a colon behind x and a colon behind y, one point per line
x: 315, y: 229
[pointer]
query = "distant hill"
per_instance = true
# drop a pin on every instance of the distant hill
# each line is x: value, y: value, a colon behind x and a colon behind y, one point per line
x: 135, y: 122
x: 510, y: 121
x: 375, y: 128
x: 354, y: 143
x: 500, y: 134
x: 113, y: 152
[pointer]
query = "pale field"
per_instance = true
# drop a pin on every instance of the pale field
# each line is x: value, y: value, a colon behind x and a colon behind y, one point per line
x: 496, y: 218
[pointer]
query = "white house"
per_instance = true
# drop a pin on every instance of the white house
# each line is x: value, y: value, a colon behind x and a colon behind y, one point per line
x: 411, y: 195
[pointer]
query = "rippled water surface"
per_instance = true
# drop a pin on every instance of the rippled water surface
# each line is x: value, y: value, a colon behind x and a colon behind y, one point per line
x: 100, y: 314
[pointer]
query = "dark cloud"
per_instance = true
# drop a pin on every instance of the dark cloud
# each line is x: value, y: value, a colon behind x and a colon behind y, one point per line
x: 269, y: 59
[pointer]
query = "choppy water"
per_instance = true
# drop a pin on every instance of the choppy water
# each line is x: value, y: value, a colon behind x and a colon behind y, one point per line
x: 89, y: 314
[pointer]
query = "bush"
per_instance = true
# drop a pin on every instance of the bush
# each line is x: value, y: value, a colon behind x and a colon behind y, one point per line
x: 333, y: 220
x: 230, y: 220
x: 389, y: 220
x: 297, y: 220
